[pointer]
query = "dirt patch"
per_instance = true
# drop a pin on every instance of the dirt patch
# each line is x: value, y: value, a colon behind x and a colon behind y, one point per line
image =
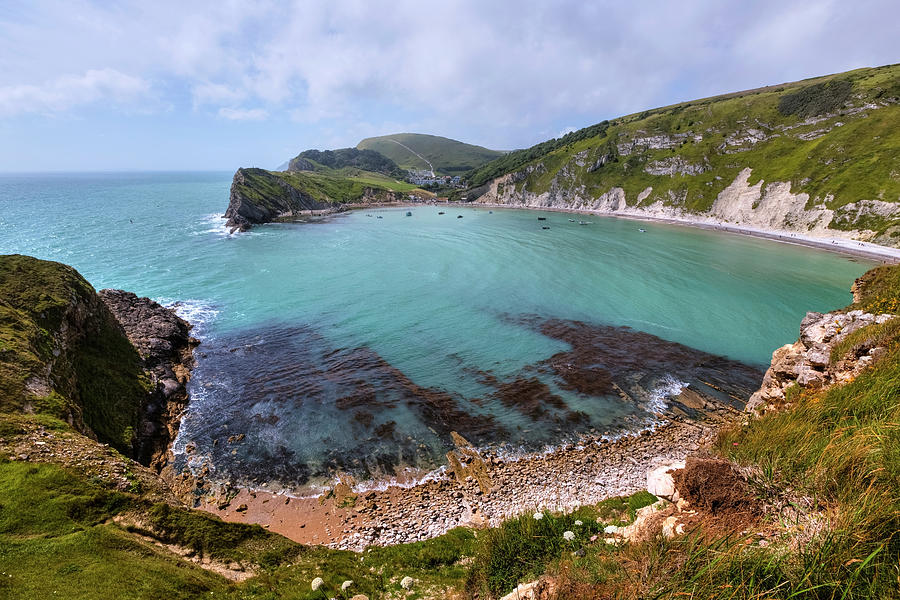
x: 715, y: 486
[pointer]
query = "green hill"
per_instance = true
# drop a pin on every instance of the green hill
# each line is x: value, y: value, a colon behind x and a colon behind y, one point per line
x: 354, y: 158
x: 820, y: 156
x: 420, y: 151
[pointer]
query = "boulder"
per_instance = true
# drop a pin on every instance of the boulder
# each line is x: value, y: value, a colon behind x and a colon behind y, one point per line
x: 660, y: 482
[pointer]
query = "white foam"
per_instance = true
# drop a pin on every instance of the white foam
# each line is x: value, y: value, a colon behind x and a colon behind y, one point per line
x: 198, y: 313
x: 212, y: 223
x: 668, y: 387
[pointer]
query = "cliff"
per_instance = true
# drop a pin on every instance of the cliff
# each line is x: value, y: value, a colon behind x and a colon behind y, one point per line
x: 112, y: 365
x: 259, y: 196
x: 818, y: 157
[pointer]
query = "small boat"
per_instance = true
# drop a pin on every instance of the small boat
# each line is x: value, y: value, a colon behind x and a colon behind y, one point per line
x: 542, y: 218
x: 642, y: 230
x: 441, y: 212
x: 545, y: 227
x: 459, y: 216
x: 490, y: 212
x: 584, y: 222
x: 408, y: 213
x: 571, y: 220
x: 368, y: 215
x: 379, y: 217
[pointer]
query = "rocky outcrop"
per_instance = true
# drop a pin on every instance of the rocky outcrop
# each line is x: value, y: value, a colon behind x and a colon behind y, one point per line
x: 165, y: 346
x: 113, y: 365
x: 808, y: 362
x: 260, y: 196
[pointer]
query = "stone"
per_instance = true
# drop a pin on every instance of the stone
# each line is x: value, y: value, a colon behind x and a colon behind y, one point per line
x: 819, y: 356
x: 407, y: 582
x: 660, y: 482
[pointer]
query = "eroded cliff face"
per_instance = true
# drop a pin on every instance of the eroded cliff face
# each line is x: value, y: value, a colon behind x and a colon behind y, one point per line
x: 811, y: 360
x: 767, y: 206
x: 730, y: 161
x: 113, y: 365
x: 166, y: 347
x: 258, y: 196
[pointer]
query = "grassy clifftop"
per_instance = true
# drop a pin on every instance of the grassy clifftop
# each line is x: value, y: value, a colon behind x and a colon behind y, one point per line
x: 63, y: 353
x: 260, y: 196
x: 834, y: 140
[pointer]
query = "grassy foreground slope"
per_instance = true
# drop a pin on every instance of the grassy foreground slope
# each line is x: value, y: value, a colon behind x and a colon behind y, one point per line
x: 833, y: 141
x: 447, y: 157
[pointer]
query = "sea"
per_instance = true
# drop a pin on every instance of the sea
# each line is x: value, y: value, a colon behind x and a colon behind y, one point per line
x: 357, y: 343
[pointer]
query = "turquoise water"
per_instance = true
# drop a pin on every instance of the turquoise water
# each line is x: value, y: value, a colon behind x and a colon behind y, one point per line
x: 434, y: 297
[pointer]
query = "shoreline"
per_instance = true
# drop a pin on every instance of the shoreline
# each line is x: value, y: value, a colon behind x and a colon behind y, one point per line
x: 488, y: 489
x: 884, y: 254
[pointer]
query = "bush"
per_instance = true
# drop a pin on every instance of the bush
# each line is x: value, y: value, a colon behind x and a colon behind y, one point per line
x: 816, y: 99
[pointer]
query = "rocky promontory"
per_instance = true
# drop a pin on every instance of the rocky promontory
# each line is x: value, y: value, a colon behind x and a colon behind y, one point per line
x: 259, y: 196
x: 113, y: 365
x: 165, y: 345
x: 816, y: 359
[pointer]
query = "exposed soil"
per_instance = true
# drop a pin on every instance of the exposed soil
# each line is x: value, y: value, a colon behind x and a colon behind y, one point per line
x: 714, y: 486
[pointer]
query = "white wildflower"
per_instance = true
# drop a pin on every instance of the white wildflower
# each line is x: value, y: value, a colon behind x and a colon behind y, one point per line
x: 569, y: 535
x: 317, y: 583
x: 406, y: 583
x: 346, y: 584
x: 578, y: 523
x: 538, y: 516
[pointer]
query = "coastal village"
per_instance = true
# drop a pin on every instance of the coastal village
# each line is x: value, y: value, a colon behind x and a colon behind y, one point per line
x: 426, y: 178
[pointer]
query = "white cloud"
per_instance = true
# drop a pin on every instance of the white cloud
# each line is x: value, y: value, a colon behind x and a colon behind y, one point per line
x: 70, y: 91
x: 243, y: 114
x: 489, y: 72
x: 566, y: 131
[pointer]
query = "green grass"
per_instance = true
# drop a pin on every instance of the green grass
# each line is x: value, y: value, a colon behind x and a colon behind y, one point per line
x: 449, y: 157
x: 884, y: 335
x: 56, y: 541
x: 858, y: 160
x: 270, y: 189
x: 520, y: 549
x: 97, y: 378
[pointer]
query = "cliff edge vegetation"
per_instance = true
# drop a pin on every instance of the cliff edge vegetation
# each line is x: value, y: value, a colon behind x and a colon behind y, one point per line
x: 819, y: 157
x: 259, y: 196
x: 63, y: 354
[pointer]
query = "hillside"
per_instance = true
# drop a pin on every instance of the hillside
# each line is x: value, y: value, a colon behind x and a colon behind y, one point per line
x: 820, y: 157
x: 425, y: 152
x: 260, y: 196
x: 343, y: 158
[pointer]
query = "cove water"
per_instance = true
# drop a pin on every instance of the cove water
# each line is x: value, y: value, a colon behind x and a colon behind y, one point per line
x: 321, y: 341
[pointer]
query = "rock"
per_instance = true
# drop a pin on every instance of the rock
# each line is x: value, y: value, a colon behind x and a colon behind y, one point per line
x: 407, y: 582
x: 166, y: 347
x: 812, y: 329
x: 819, y: 356
x: 660, y: 482
x: 360, y: 597
x: 671, y: 527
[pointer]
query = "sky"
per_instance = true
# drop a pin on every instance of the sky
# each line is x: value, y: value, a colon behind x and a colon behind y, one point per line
x: 192, y: 85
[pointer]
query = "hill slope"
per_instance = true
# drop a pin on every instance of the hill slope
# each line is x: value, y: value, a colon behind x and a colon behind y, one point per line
x: 820, y: 156
x: 420, y: 151
x: 260, y: 196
